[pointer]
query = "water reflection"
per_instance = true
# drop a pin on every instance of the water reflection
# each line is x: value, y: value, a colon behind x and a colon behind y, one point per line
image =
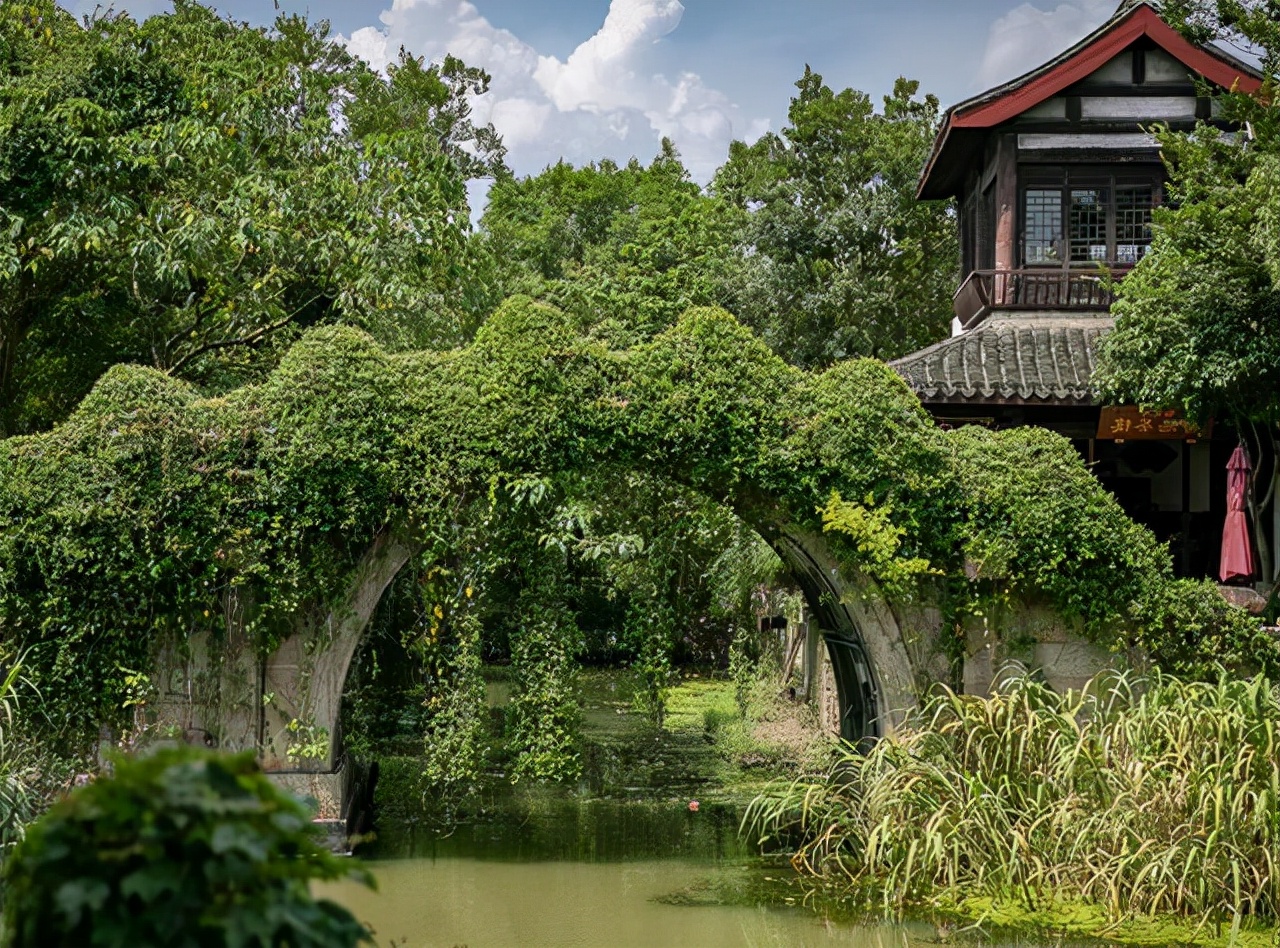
x: 620, y: 861
x: 555, y: 826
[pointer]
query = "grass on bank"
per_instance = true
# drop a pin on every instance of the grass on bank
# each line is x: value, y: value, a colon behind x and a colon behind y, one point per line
x: 1097, y: 812
x: 756, y: 733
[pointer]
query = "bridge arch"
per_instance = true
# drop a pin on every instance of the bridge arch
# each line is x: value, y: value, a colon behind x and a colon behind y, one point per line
x: 304, y: 678
x: 705, y: 405
x: 253, y: 534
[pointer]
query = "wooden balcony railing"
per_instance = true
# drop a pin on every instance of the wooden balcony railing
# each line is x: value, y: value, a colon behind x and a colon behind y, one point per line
x: 987, y: 290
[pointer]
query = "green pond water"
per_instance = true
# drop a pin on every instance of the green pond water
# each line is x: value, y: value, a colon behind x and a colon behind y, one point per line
x: 559, y: 871
x: 611, y: 873
x: 649, y: 902
x: 621, y: 860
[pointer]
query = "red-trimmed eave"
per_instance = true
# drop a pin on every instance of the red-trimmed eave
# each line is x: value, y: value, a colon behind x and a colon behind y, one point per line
x: 1142, y: 21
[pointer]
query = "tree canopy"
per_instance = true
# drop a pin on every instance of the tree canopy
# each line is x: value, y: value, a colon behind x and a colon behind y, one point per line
x: 812, y: 237
x: 624, y: 249
x: 839, y: 258
x: 189, y: 192
x: 1195, y: 320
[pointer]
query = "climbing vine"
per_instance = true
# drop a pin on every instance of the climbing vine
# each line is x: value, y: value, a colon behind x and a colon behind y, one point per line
x: 153, y: 510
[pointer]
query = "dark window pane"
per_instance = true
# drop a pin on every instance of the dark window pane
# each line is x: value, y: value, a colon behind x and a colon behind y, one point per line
x: 1087, y: 225
x: 1043, y: 217
x: 1133, y: 222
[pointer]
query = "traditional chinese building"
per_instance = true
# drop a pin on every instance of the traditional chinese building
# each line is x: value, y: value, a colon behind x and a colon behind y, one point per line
x: 1055, y: 175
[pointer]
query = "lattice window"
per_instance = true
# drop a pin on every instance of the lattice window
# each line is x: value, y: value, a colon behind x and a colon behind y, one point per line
x: 1087, y: 225
x: 1042, y: 222
x: 1133, y: 222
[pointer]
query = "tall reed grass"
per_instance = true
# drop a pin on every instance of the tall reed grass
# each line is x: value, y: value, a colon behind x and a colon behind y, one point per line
x: 17, y: 807
x: 1145, y: 795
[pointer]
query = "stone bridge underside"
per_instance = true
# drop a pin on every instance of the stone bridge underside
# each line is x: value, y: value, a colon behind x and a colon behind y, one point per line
x: 226, y: 695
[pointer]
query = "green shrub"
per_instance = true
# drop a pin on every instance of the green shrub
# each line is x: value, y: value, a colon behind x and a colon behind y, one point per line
x: 182, y: 848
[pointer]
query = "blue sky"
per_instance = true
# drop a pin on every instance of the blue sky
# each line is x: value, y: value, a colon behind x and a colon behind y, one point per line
x: 584, y: 79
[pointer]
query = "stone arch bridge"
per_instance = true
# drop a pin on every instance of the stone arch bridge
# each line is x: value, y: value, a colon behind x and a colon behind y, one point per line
x: 301, y: 498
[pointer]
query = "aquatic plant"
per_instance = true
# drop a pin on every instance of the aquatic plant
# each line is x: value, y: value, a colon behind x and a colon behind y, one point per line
x: 16, y: 803
x: 1142, y: 795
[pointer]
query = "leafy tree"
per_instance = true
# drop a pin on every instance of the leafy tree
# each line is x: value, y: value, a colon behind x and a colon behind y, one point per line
x: 623, y: 249
x: 838, y: 258
x: 1252, y: 27
x: 1196, y: 319
x: 184, y: 847
x: 190, y: 192
x: 813, y: 237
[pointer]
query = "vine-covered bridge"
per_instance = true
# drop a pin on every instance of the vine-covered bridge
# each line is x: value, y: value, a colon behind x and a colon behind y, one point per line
x: 236, y: 548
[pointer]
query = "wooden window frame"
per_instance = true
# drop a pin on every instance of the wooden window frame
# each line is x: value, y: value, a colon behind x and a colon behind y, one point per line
x: 1068, y: 177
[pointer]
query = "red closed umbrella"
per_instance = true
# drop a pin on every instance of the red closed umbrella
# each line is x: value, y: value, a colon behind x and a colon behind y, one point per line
x: 1237, y: 550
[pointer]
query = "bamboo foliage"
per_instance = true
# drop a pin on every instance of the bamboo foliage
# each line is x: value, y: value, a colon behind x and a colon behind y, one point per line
x: 1145, y: 795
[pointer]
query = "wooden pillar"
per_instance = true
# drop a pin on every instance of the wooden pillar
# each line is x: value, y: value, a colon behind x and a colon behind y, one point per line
x: 1275, y: 528
x: 811, y: 662
x: 1184, y: 452
x: 1006, y: 202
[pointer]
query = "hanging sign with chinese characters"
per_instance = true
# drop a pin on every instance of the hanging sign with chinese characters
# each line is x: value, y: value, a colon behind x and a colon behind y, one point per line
x: 1127, y: 422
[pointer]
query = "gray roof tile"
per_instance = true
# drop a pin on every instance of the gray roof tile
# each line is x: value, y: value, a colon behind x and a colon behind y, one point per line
x: 1044, y: 358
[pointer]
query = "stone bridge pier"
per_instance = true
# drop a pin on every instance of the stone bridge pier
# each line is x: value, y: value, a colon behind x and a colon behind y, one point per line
x: 221, y: 692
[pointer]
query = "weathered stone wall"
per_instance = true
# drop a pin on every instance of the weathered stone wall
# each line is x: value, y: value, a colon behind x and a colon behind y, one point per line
x: 219, y: 691
x: 1030, y: 635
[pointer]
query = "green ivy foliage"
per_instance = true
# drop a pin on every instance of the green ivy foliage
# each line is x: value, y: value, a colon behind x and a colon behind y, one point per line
x: 180, y: 848
x: 876, y: 538
x: 543, y: 716
x: 1038, y: 520
x: 140, y: 515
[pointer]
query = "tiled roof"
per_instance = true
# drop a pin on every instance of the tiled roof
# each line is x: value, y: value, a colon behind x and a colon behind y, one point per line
x: 1044, y: 358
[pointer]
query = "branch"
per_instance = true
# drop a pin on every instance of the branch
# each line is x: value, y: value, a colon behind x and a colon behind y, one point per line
x: 250, y: 339
x: 183, y: 333
x: 1271, y: 486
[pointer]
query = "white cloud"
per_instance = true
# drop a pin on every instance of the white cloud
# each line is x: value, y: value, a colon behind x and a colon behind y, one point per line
x: 608, y: 98
x: 1027, y: 36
